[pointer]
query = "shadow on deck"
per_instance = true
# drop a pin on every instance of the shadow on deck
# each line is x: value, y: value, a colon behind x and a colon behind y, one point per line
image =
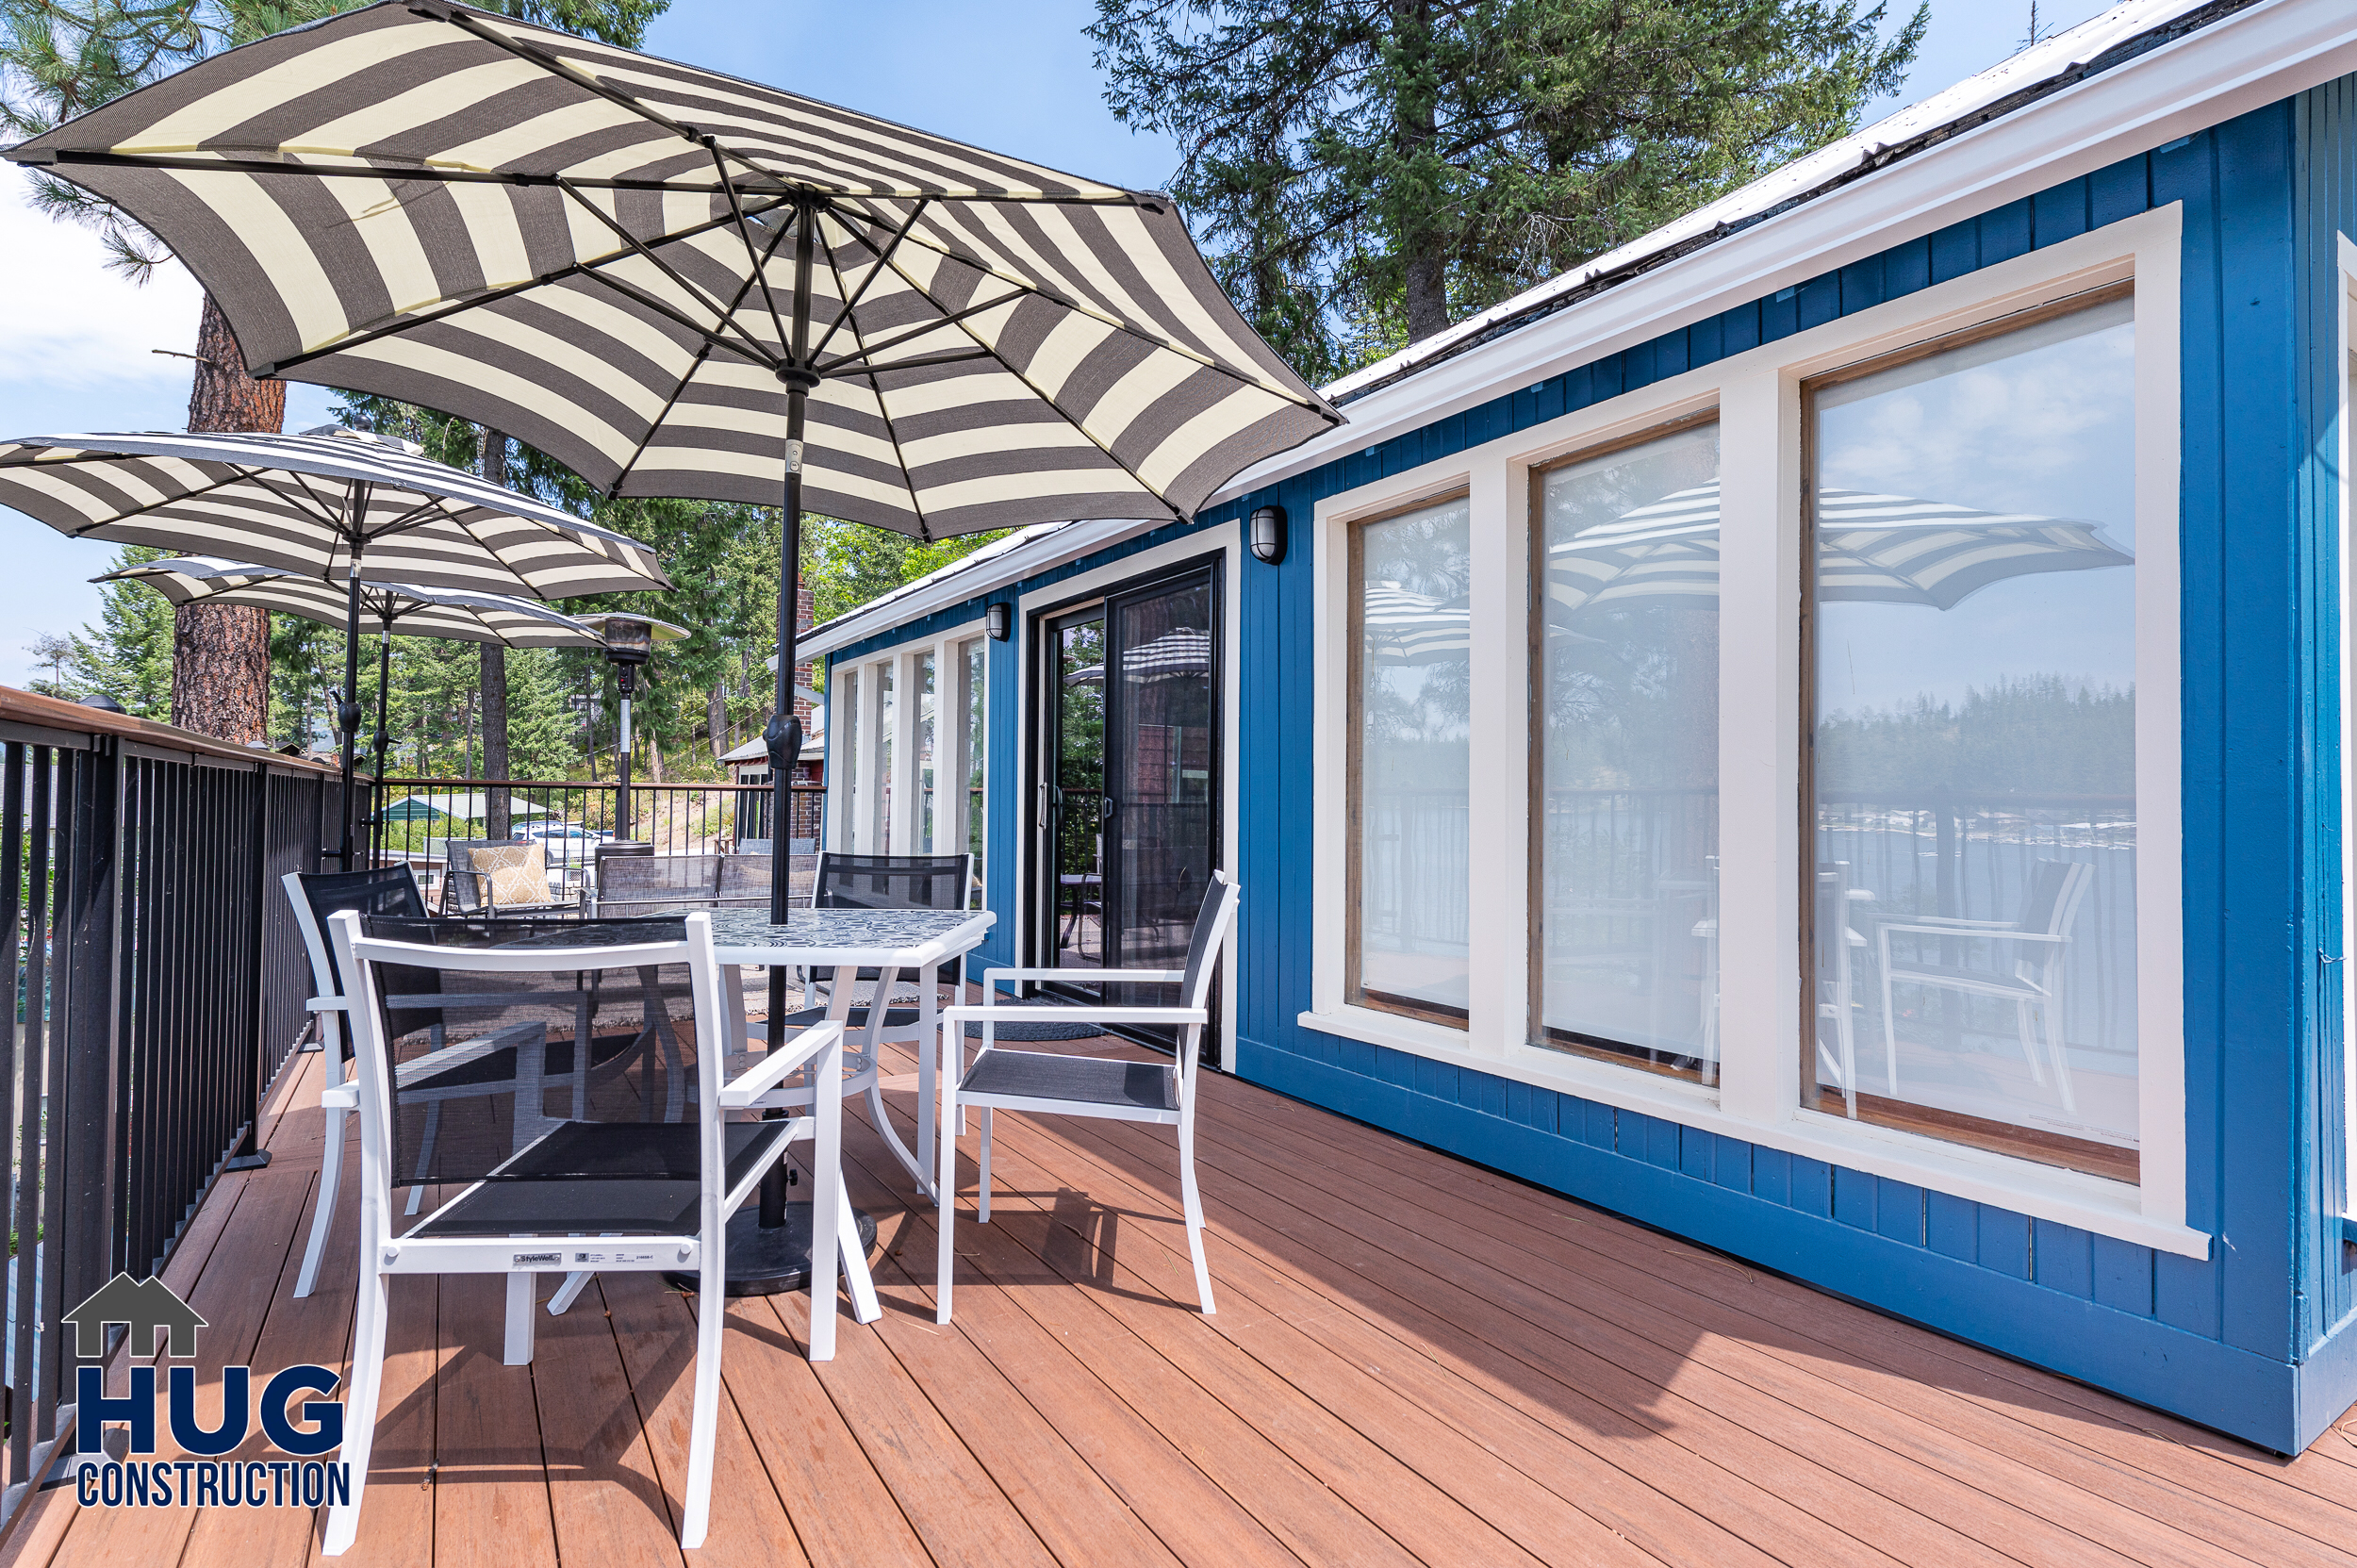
x: 1413, y: 1361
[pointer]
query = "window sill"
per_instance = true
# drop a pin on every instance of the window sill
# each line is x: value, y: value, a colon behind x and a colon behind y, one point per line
x: 2091, y: 1203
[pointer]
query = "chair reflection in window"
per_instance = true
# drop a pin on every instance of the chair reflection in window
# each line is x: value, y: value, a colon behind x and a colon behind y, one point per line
x: 2039, y: 940
x: 1837, y: 975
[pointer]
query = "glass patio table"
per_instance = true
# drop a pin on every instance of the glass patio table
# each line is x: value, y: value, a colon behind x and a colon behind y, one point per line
x: 769, y: 1247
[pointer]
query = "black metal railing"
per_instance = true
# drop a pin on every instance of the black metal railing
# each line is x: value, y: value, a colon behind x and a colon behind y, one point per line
x: 421, y: 817
x: 156, y: 981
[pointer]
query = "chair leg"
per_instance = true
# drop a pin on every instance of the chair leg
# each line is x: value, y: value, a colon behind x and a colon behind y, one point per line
x: 425, y: 1153
x: 519, y: 1294
x: 570, y: 1292
x: 323, y: 1216
x: 982, y: 1204
x: 2025, y: 1025
x: 2054, y: 1054
x: 704, y: 1423
x: 1191, y: 1204
x: 368, y: 1377
x: 1890, y: 1025
x: 945, y: 1259
x: 864, y: 1307
x: 827, y: 1204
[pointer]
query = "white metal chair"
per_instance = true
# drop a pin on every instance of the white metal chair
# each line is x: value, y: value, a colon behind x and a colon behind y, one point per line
x: 468, y: 1071
x: 1836, y: 972
x: 1054, y: 1084
x: 616, y: 1191
x: 2050, y: 905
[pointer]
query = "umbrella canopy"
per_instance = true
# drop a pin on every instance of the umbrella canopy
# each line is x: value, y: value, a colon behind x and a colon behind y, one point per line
x: 416, y: 612
x: 1403, y: 627
x: 1887, y: 548
x: 628, y: 263
x: 311, y: 503
x: 682, y: 283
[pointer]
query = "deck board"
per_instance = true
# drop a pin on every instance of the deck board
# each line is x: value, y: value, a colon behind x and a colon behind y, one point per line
x: 1415, y: 1360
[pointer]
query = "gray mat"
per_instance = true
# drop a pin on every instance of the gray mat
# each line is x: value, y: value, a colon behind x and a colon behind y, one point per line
x: 1034, y: 1033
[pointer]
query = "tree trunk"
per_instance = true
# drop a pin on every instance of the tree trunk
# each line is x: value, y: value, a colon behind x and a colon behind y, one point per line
x: 221, y: 652
x: 495, y: 677
x: 1416, y: 116
x: 717, y: 718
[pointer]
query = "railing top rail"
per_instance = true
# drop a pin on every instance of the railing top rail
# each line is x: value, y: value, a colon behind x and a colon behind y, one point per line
x: 398, y: 782
x: 54, y: 712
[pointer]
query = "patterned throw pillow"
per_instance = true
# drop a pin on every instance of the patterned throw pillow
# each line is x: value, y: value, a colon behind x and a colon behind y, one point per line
x: 518, y: 874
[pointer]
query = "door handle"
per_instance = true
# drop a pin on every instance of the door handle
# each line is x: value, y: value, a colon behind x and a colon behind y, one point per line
x: 1107, y: 807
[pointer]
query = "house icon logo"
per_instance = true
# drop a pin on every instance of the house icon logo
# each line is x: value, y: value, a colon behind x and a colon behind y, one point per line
x: 142, y: 1306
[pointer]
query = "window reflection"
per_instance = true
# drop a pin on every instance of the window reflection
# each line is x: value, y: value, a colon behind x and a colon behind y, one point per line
x: 1973, y: 915
x: 1627, y: 920
x: 1410, y: 764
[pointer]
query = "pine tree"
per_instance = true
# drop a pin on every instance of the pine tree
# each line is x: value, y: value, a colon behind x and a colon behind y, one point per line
x: 1362, y: 173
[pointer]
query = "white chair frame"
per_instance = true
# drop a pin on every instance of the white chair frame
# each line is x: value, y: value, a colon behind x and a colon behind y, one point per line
x: 2036, y: 1006
x: 1191, y: 1015
x: 384, y: 1254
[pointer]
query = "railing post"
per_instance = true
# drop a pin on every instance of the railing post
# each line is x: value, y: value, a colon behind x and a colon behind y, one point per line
x: 81, y: 1249
x: 249, y: 1155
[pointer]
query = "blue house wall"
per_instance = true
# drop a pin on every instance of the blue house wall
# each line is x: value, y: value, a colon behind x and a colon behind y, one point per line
x: 2255, y: 1341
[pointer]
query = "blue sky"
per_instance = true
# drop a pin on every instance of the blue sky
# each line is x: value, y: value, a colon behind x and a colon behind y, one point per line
x: 1015, y: 76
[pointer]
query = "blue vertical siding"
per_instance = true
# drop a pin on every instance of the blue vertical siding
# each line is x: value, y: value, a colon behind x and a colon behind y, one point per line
x: 2255, y: 1340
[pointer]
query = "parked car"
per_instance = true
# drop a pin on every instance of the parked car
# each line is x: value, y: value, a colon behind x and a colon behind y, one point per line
x: 568, y: 845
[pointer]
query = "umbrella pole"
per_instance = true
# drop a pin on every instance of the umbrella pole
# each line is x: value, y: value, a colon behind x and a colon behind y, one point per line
x: 384, y: 688
x: 348, y: 716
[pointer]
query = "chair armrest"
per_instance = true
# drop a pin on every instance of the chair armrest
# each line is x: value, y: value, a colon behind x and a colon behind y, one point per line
x: 1093, y: 976
x: 340, y: 1096
x: 327, y: 1004
x: 749, y: 1086
x: 1991, y: 931
x: 966, y: 1013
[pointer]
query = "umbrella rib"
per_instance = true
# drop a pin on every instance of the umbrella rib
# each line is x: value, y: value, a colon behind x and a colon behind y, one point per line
x: 1117, y: 324
x: 693, y: 366
x: 726, y: 318
x: 892, y: 433
x: 987, y: 352
x: 752, y: 253
x: 632, y: 291
x: 864, y: 357
x: 236, y: 477
x: 874, y: 271
x: 493, y: 296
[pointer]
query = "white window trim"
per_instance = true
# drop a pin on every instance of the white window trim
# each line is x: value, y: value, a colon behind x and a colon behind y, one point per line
x: 1758, y: 396
x: 848, y: 836
x: 1226, y: 541
x: 2344, y: 345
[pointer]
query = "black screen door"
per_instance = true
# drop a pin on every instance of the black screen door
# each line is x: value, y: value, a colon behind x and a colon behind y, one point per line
x: 1130, y: 798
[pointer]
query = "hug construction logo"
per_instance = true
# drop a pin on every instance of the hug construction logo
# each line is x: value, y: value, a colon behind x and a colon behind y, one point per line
x: 147, y: 1307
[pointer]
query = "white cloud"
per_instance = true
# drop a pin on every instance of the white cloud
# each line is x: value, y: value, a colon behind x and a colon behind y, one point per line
x: 71, y: 323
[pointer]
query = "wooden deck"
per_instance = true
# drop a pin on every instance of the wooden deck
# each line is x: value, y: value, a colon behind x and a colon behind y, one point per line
x: 1413, y: 1361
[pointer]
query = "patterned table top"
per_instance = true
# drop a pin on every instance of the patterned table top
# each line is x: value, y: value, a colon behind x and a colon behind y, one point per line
x: 870, y: 937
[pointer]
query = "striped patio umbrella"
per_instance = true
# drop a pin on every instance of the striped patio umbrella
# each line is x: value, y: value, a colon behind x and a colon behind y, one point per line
x: 339, y: 508
x: 455, y: 613
x: 679, y: 282
x: 1872, y: 545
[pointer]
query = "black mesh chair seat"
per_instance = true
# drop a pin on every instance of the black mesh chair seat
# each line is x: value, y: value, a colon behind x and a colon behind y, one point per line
x: 589, y: 1179
x: 1083, y: 1079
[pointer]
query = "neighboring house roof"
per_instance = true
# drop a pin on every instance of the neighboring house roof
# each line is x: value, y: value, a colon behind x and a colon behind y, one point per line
x: 2125, y: 82
x: 758, y: 750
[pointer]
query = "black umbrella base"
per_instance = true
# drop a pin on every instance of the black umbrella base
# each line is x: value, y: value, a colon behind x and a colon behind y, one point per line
x: 772, y: 1262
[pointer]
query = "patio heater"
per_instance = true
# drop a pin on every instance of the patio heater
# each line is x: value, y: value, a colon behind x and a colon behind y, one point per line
x: 629, y: 642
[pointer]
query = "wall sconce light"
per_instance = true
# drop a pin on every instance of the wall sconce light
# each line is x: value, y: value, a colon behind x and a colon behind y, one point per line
x: 999, y: 621
x: 1268, y: 533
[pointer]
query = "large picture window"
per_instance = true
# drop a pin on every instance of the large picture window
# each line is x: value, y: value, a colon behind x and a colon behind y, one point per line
x: 1624, y: 925
x: 1410, y: 728
x: 1971, y: 903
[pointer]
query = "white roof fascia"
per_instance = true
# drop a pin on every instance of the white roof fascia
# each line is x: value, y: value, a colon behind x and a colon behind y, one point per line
x: 2243, y: 61
x: 1021, y: 554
